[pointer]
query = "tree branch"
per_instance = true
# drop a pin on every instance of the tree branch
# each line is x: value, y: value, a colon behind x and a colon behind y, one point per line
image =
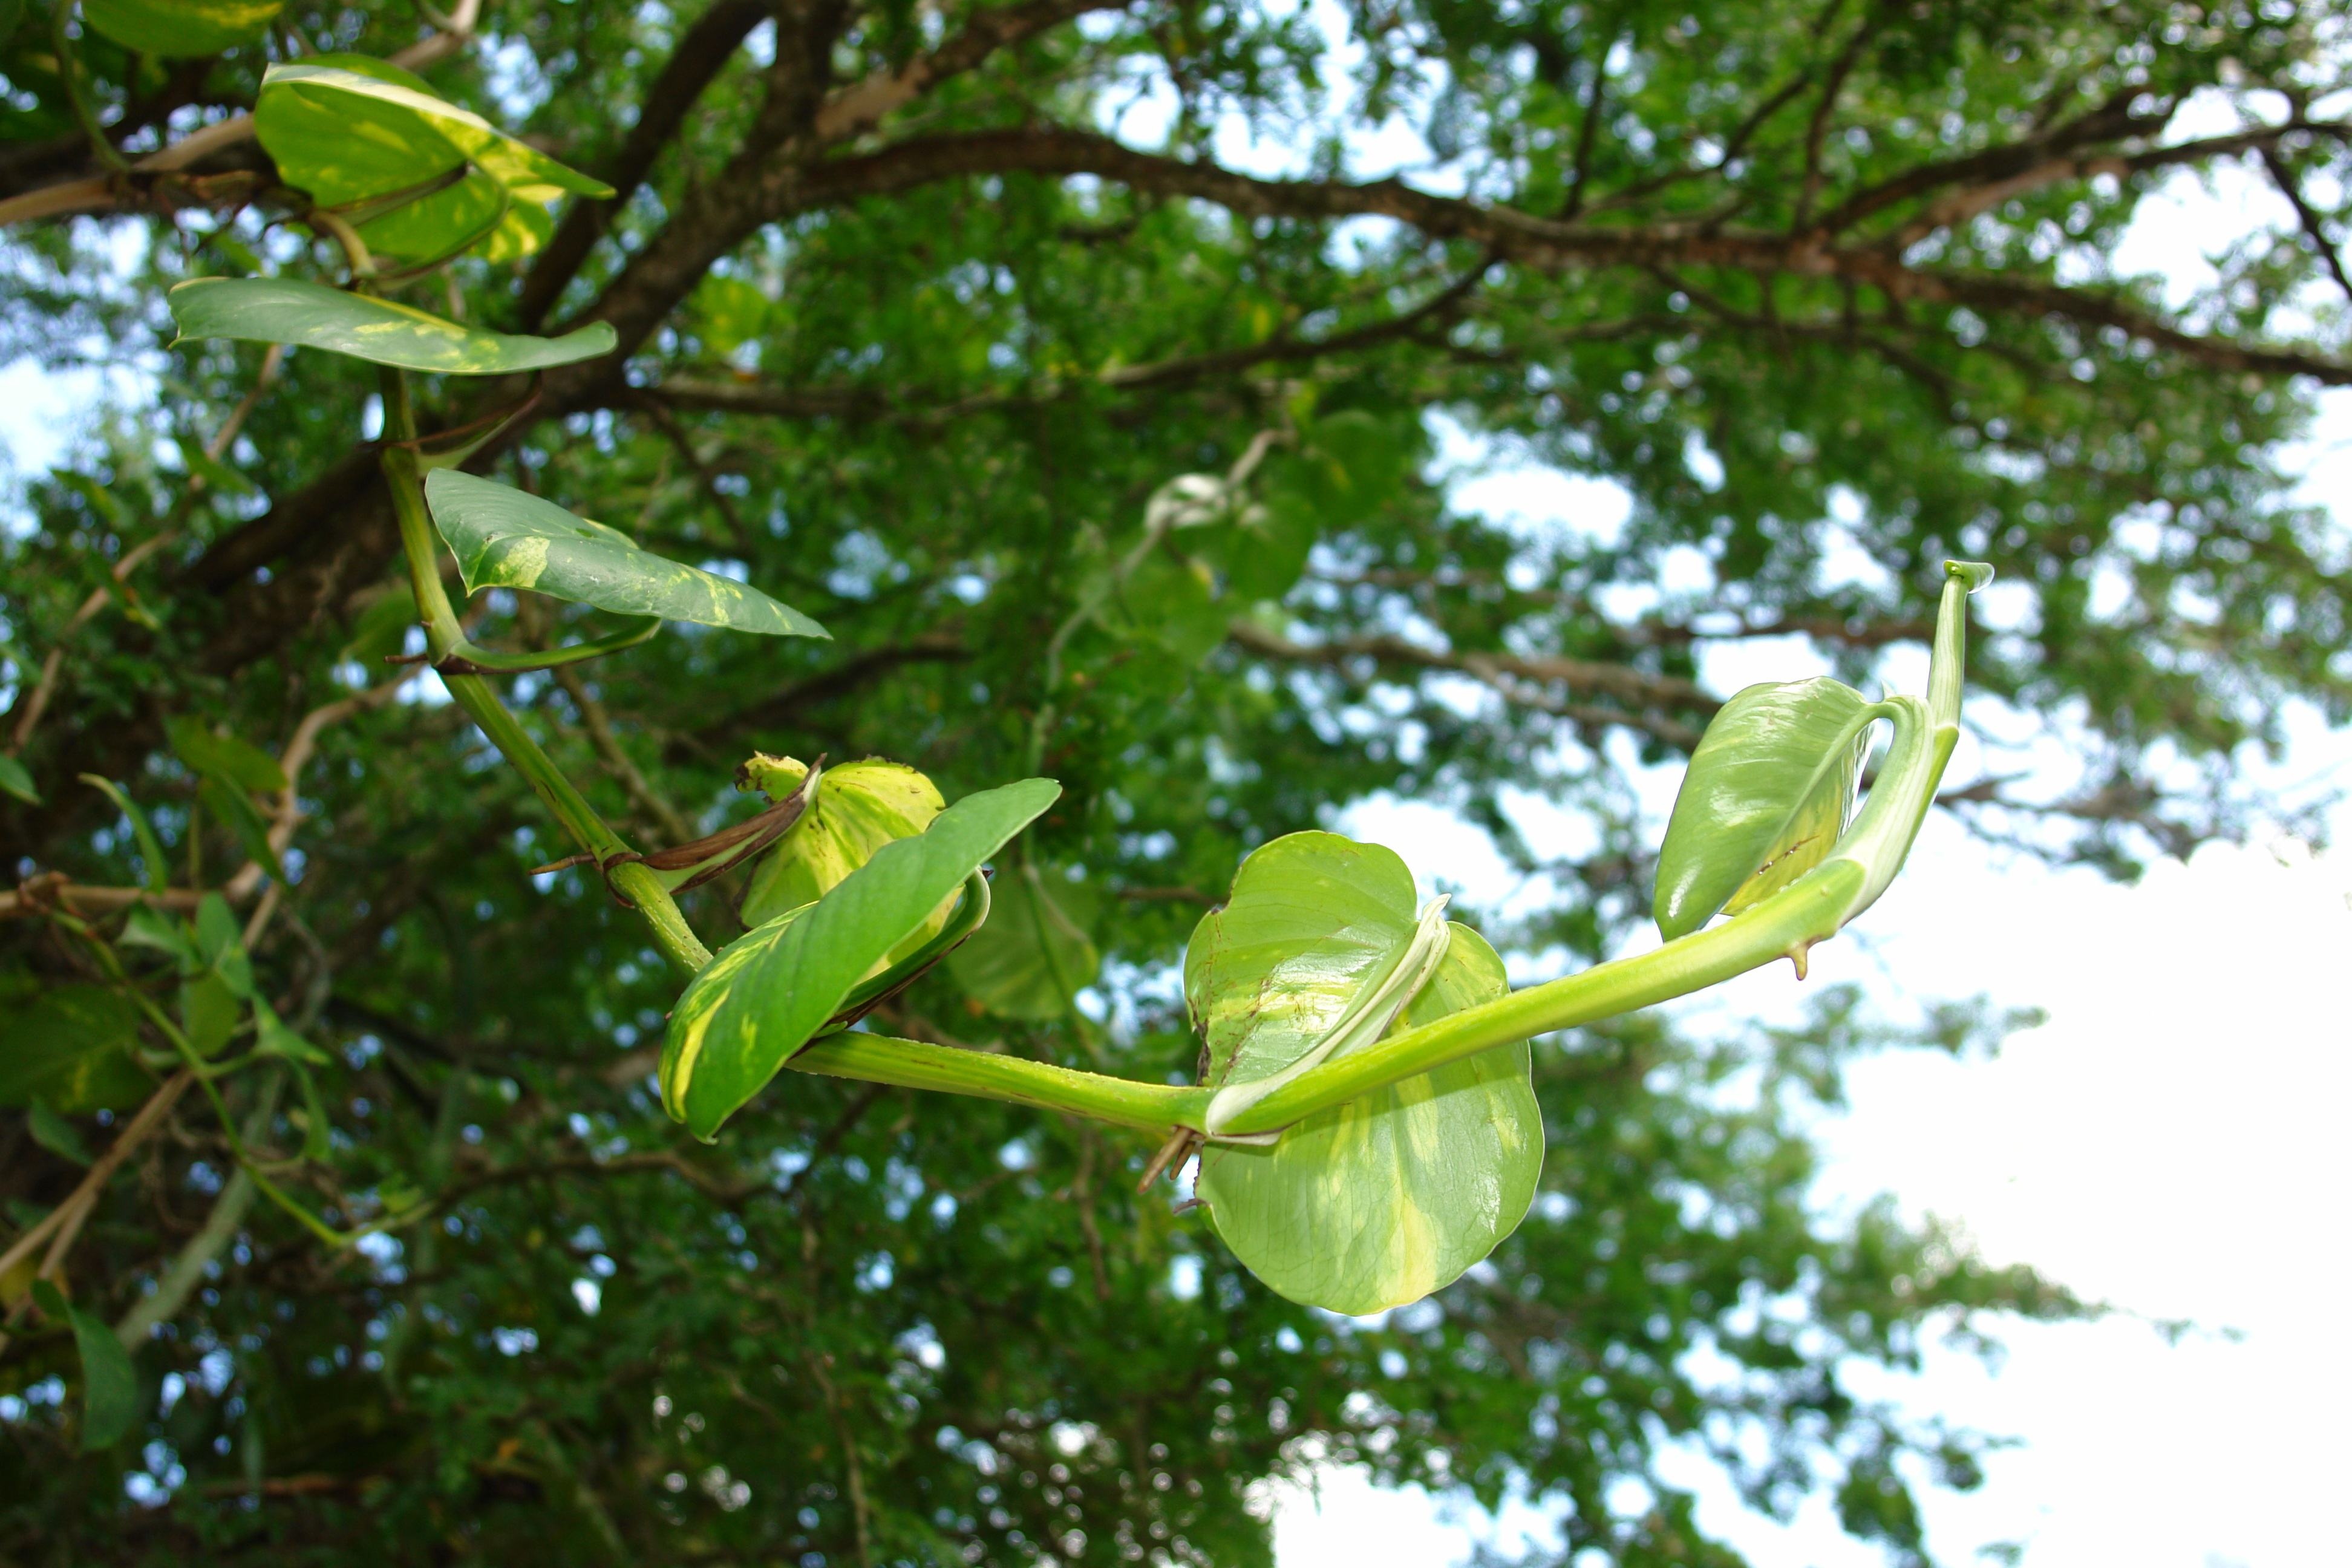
x: 2283, y: 177
x: 701, y: 55
x: 1519, y: 679
x: 1513, y: 235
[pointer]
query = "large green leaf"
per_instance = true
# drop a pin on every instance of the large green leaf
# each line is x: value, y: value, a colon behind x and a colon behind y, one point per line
x: 382, y: 331
x: 180, y: 28
x: 1381, y: 1200
x: 505, y: 538
x: 422, y: 177
x: 859, y: 807
x: 1034, y: 953
x: 1765, y: 797
x: 110, y: 1385
x: 71, y: 1046
x: 771, y: 989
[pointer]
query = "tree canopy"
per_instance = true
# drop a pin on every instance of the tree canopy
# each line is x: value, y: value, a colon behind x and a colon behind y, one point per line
x: 1082, y: 370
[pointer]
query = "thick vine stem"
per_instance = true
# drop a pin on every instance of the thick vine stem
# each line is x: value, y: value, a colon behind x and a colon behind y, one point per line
x: 446, y: 639
x: 1786, y: 925
x: 909, y: 1064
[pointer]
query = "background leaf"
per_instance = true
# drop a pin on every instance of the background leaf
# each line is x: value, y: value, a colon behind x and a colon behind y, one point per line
x: 1763, y: 802
x: 54, y: 1133
x: 235, y: 810
x: 1034, y: 954
x: 382, y: 331
x: 771, y: 989
x: 71, y: 1046
x: 1376, y: 1203
x: 246, y: 766
x: 154, y: 867
x: 110, y: 1385
x: 180, y: 28
x: 16, y: 780
x: 506, y: 538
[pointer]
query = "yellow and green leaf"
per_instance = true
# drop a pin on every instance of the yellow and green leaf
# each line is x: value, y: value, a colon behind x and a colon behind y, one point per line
x: 419, y: 177
x: 1767, y: 795
x: 1379, y: 1201
x: 382, y: 331
x: 507, y: 538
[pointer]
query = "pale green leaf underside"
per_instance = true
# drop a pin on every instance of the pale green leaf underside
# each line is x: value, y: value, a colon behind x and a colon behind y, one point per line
x: 771, y: 989
x: 180, y: 29
x: 1764, y: 801
x: 353, y: 131
x: 1031, y: 957
x: 507, y: 538
x: 1382, y: 1200
x: 382, y: 331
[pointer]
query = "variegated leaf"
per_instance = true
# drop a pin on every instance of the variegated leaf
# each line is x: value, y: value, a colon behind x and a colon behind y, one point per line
x: 382, y: 331
x: 1379, y: 1201
x: 505, y: 538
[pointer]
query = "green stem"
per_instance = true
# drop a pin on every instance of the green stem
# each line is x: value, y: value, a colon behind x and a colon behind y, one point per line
x: 1808, y: 911
x: 443, y: 637
x: 878, y: 1059
x: 488, y: 661
x: 69, y: 75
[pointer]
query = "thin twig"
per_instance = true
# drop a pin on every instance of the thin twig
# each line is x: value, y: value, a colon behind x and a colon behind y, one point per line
x: 64, y: 1223
x: 2283, y: 177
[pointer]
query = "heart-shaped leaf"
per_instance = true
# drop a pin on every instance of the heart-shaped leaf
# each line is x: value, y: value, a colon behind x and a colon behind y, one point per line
x: 860, y: 807
x: 419, y: 178
x: 1767, y: 792
x: 71, y: 1046
x: 1381, y: 1200
x: 506, y: 538
x: 1034, y: 953
x: 770, y: 991
x: 181, y: 28
x: 382, y: 331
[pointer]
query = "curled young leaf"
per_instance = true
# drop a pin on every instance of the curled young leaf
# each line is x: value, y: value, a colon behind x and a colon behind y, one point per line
x: 382, y: 331
x: 507, y: 538
x: 1767, y: 792
x: 418, y: 178
x: 857, y: 808
x: 771, y: 990
x: 1381, y: 1200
